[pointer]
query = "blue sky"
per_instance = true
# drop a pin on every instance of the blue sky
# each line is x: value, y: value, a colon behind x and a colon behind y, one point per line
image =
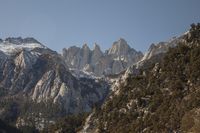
x: 63, y: 23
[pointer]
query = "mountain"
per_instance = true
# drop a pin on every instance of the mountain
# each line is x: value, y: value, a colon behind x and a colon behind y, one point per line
x: 34, y: 79
x: 160, y: 95
x: 157, y: 92
x: 119, y: 57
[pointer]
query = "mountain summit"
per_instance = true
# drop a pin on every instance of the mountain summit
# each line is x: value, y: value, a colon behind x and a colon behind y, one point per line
x: 116, y: 59
x: 119, y: 47
x: 19, y: 40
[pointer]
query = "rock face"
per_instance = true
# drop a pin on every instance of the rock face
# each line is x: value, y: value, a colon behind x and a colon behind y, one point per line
x: 96, y: 54
x: 27, y: 68
x: 116, y: 59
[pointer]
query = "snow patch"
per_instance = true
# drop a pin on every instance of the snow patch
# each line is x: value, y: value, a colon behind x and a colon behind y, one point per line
x: 9, y: 48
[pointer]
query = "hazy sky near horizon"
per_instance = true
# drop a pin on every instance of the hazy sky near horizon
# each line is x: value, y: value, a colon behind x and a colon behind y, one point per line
x: 63, y: 23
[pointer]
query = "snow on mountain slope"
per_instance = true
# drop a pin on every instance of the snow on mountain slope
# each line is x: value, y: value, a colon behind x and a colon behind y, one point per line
x: 12, y: 45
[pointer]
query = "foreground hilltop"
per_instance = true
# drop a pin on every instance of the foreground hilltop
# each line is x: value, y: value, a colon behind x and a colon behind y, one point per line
x: 162, y: 94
